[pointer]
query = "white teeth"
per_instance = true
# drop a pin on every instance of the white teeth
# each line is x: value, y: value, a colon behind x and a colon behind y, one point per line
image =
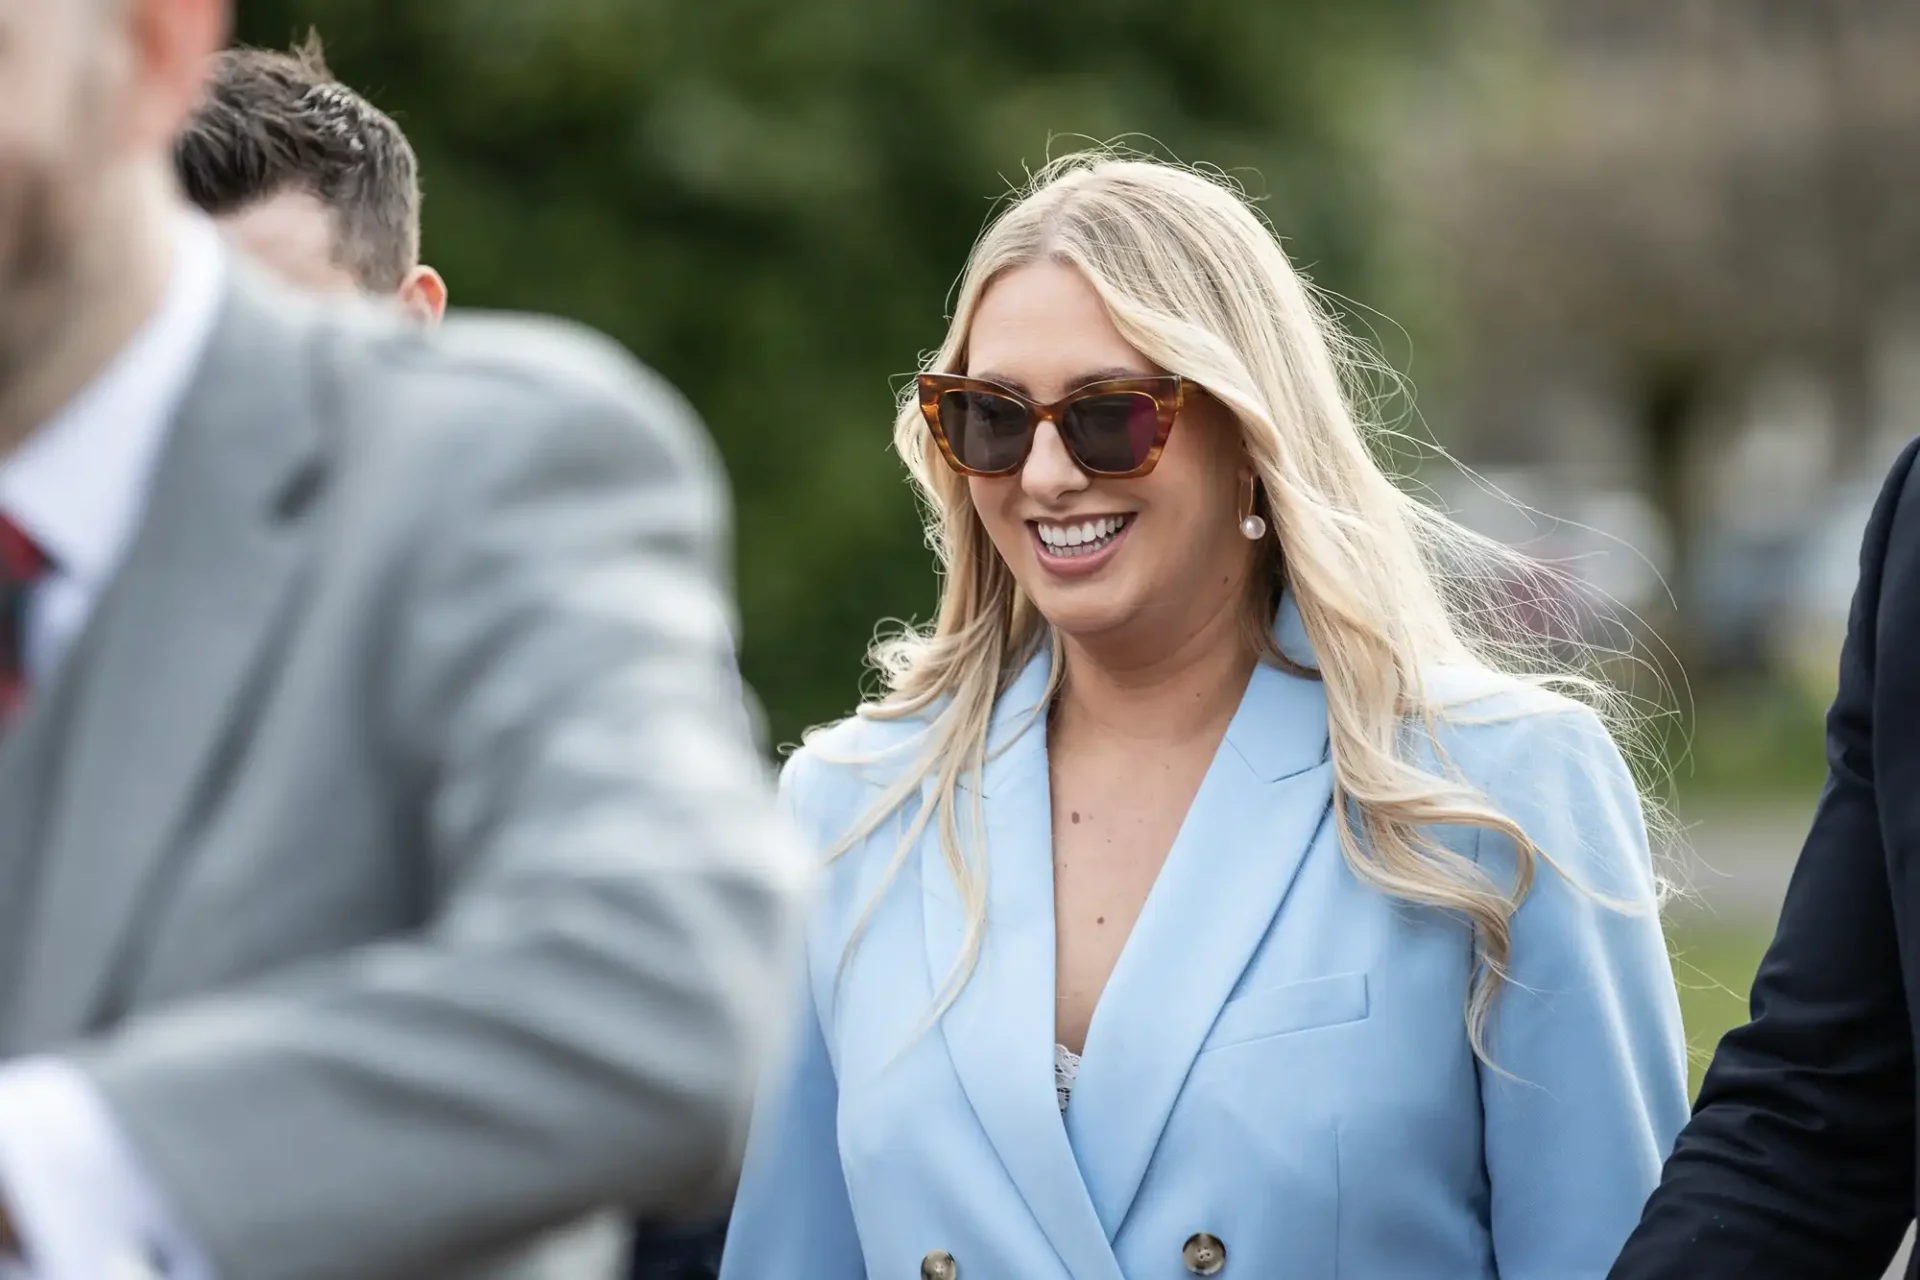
x: 1082, y: 538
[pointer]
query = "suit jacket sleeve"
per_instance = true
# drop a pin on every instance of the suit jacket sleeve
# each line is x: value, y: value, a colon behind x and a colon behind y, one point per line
x: 1799, y: 1157
x: 793, y: 1219
x: 1587, y: 1083
x: 581, y: 1021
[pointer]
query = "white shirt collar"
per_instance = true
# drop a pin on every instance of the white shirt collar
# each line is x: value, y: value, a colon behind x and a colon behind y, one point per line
x: 78, y: 486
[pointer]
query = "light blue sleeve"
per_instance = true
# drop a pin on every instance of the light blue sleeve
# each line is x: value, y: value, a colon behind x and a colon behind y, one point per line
x: 791, y: 1217
x: 1587, y: 1088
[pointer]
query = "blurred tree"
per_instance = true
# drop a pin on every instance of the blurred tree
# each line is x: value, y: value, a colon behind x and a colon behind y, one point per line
x: 770, y: 203
x: 1667, y: 200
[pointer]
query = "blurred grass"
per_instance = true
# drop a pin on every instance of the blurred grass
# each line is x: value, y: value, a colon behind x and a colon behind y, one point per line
x: 1752, y: 739
x: 1758, y: 745
x: 1714, y: 964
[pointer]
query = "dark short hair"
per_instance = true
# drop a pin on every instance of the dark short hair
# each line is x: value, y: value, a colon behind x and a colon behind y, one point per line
x: 276, y: 122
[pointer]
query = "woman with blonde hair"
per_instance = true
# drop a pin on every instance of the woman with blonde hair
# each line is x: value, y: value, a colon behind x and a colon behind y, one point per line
x: 1209, y: 893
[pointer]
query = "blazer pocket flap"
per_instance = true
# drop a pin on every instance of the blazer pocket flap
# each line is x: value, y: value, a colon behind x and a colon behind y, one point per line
x: 1290, y: 1007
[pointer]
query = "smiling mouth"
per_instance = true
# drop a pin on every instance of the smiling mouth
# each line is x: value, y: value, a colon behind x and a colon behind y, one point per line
x: 1067, y: 541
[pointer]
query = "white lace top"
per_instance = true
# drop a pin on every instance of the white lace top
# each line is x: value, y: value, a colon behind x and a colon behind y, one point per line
x: 1066, y: 1065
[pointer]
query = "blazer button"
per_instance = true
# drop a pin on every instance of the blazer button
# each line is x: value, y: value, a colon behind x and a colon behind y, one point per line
x: 1204, y: 1255
x: 939, y: 1265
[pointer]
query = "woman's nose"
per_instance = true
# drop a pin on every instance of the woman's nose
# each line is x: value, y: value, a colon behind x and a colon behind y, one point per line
x: 1050, y: 470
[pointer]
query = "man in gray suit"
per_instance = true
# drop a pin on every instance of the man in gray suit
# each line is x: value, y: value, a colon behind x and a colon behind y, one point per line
x: 388, y: 884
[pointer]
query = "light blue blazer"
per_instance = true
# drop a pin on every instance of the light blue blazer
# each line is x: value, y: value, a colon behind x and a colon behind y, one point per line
x: 1279, y: 1060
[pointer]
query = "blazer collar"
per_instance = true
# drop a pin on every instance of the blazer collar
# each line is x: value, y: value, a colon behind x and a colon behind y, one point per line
x: 999, y: 1031
x: 1281, y: 727
x: 1256, y: 813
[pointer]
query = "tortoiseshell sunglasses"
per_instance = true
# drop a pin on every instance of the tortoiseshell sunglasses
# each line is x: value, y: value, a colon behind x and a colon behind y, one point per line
x: 1115, y: 428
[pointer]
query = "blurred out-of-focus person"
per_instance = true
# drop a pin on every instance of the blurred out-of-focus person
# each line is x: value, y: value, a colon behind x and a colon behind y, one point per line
x: 1207, y: 900
x: 389, y: 886
x: 323, y: 187
x: 309, y: 177
x: 1799, y: 1159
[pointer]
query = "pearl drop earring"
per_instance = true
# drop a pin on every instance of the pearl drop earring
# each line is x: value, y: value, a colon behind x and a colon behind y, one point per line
x: 1254, y: 527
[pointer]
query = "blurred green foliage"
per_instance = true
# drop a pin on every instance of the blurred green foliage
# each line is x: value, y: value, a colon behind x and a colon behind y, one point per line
x: 1754, y: 739
x: 770, y: 203
x: 1713, y: 966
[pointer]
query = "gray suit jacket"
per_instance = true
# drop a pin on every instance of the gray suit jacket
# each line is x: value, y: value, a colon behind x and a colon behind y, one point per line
x: 391, y: 850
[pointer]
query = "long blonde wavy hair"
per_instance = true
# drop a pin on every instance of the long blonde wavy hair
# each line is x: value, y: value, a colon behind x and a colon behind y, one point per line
x: 1388, y: 588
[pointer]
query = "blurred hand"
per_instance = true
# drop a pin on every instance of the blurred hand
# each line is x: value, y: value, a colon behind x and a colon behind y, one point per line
x: 9, y: 1242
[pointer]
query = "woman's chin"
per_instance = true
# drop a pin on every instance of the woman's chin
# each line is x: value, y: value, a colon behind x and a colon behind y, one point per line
x: 1086, y: 615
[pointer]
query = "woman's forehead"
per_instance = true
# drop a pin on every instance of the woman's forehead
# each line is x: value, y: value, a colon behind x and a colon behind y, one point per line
x: 1042, y: 330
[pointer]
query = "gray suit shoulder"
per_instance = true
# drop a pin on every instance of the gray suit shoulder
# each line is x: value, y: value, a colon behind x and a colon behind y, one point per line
x: 543, y: 355
x: 528, y: 377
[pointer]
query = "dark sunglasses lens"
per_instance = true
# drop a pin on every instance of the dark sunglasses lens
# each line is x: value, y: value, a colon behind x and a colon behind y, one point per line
x: 986, y: 432
x: 1113, y: 433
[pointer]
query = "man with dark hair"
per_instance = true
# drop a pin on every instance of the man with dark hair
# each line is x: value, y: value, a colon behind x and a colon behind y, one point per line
x: 309, y: 177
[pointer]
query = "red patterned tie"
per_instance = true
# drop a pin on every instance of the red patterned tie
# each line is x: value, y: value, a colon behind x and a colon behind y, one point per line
x: 21, y: 565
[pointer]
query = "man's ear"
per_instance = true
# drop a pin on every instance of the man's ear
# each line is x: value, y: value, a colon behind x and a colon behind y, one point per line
x: 424, y: 295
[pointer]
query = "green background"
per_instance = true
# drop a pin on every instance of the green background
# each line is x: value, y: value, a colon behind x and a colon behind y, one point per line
x: 770, y: 203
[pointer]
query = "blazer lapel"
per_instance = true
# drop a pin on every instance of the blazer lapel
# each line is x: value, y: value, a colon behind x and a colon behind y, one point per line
x: 29, y: 755
x: 999, y: 1032
x: 1251, y: 823
x: 170, y: 653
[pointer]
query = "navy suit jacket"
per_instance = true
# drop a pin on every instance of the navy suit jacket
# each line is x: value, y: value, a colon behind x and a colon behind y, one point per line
x: 662, y: 1254
x: 1799, y: 1160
